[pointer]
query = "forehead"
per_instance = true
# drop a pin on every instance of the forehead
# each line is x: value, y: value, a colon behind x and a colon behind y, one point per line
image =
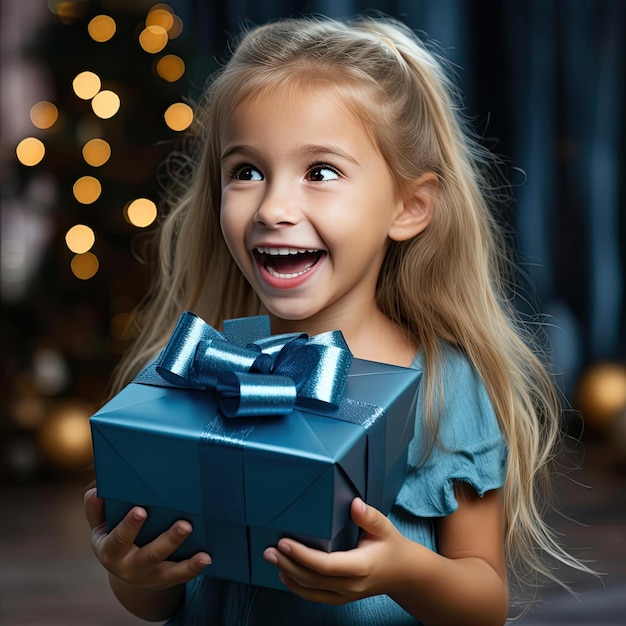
x: 316, y: 106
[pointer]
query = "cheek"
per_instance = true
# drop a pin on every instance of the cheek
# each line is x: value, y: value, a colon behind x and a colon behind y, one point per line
x: 234, y: 233
x: 228, y: 221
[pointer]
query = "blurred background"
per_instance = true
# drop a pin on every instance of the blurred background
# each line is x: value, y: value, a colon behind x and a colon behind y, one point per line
x: 95, y: 94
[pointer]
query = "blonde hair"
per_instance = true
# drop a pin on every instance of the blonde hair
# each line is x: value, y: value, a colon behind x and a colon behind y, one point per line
x: 449, y: 284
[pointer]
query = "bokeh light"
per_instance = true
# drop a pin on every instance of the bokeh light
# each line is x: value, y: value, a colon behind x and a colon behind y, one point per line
x: 177, y: 28
x: 141, y: 212
x: 153, y: 39
x: 51, y: 372
x: 86, y: 85
x: 44, y: 114
x: 170, y: 68
x: 80, y: 238
x: 164, y: 16
x: 96, y: 152
x: 30, y: 151
x: 160, y: 15
x: 65, y: 437
x: 87, y: 189
x: 106, y: 104
x: 101, y: 28
x: 68, y: 11
x: 179, y: 116
x: 85, y: 266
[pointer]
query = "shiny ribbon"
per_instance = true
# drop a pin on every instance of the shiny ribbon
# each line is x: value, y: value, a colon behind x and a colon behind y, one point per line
x: 255, y: 373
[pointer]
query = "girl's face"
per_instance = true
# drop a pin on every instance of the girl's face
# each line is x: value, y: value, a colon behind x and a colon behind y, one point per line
x: 307, y: 204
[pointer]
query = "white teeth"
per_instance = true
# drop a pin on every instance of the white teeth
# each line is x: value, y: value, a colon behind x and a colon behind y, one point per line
x: 283, y: 251
x: 276, y: 274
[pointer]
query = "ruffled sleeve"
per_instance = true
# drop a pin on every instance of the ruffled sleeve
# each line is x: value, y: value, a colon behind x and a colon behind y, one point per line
x: 471, y: 449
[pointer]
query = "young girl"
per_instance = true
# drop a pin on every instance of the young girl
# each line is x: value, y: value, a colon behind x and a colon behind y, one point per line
x: 336, y: 188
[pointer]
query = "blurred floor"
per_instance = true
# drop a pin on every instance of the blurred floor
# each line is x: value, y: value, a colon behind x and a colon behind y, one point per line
x: 49, y: 577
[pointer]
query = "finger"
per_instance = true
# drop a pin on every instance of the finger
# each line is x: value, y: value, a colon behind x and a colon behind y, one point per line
x: 323, y: 596
x: 371, y: 520
x: 121, y: 539
x: 94, y: 508
x: 336, y: 564
x: 165, y: 544
x: 178, y: 573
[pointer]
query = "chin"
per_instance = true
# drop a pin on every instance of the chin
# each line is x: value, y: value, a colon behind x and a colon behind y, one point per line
x: 289, y: 314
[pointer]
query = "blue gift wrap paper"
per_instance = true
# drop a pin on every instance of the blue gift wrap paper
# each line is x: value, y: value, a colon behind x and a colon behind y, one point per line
x: 253, y: 437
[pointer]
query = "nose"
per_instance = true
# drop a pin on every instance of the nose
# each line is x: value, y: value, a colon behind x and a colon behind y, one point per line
x: 278, y: 208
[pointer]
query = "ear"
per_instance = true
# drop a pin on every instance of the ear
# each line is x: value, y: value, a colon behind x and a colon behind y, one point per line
x: 416, y: 209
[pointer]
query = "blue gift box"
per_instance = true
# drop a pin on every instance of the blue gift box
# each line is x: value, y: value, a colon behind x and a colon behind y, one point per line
x: 245, y: 482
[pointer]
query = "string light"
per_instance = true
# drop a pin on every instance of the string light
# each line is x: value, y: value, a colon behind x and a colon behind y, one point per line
x: 163, y: 15
x: 176, y: 29
x: 179, y: 116
x: 153, y: 39
x: 170, y: 68
x: 101, y: 28
x: 80, y: 238
x: 86, y: 85
x: 141, y: 212
x: 30, y: 151
x: 106, y: 104
x: 44, y: 114
x: 85, y: 266
x: 160, y: 15
x: 87, y: 189
x: 96, y: 152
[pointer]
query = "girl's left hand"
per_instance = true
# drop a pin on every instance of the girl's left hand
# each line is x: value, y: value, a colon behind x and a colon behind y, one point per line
x: 341, y: 577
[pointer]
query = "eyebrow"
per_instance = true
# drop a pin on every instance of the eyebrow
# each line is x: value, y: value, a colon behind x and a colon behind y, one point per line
x: 307, y: 150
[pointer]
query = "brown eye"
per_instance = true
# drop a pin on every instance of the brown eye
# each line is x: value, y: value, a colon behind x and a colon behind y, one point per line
x: 322, y: 173
x: 247, y: 172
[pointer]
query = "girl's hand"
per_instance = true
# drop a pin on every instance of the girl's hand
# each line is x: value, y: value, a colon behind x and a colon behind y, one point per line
x: 146, y: 567
x: 341, y: 577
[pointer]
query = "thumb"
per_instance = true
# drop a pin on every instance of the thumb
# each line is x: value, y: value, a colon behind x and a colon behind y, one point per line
x: 371, y: 520
x: 94, y: 508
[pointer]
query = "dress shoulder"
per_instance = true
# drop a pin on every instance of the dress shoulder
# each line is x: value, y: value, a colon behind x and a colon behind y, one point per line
x: 470, y: 446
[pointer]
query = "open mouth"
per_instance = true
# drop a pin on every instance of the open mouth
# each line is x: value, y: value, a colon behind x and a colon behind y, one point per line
x: 287, y: 262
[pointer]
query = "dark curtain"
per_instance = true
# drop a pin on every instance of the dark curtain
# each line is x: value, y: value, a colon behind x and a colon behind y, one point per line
x: 544, y: 85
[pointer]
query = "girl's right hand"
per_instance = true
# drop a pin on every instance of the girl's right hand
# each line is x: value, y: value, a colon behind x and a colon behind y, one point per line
x: 145, y: 567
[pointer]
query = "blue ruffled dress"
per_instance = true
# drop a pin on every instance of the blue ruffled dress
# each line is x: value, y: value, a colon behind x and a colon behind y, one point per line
x: 473, y: 451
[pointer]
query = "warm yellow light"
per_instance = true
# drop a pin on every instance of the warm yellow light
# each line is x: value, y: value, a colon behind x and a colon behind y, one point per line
x: 65, y: 436
x: 141, y: 212
x: 106, y: 104
x: 96, y: 152
x: 44, y: 114
x: 85, y: 266
x: 170, y: 68
x: 179, y: 116
x: 177, y: 28
x: 30, y: 151
x: 86, y: 85
x: 153, y: 39
x: 101, y: 28
x: 160, y: 17
x: 87, y: 189
x: 68, y: 11
x: 80, y: 238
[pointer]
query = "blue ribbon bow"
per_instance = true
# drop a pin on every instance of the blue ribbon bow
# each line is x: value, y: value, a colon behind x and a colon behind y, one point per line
x: 255, y: 373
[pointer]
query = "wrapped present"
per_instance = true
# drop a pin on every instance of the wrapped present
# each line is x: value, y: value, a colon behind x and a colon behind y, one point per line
x: 253, y: 437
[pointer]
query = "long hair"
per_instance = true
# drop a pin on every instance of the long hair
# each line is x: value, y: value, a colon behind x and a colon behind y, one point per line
x: 451, y: 283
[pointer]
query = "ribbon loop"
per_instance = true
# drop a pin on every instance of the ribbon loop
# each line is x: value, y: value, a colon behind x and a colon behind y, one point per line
x: 269, y: 376
x: 255, y: 394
